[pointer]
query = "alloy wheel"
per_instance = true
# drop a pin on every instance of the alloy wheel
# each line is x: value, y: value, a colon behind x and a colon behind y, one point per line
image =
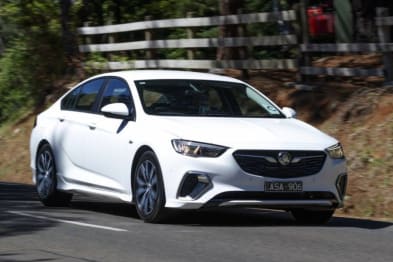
x: 146, y: 187
x: 45, y: 173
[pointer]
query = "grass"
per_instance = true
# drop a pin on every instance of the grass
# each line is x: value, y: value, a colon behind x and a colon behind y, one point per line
x: 14, y: 150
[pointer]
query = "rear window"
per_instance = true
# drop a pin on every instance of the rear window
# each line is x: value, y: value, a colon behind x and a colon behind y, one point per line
x: 83, y: 98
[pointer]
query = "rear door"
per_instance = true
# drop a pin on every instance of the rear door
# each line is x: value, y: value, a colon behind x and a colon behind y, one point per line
x: 78, y: 117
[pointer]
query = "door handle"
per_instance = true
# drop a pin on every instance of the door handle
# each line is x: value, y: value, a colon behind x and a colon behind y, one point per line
x: 61, y: 120
x: 92, y: 126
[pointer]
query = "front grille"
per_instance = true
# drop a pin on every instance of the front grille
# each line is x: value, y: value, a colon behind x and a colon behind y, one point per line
x: 265, y: 163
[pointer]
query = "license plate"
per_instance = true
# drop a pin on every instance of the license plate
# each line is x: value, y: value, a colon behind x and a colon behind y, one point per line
x: 293, y: 186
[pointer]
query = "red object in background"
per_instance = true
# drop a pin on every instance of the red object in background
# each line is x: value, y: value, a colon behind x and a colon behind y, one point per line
x: 320, y: 23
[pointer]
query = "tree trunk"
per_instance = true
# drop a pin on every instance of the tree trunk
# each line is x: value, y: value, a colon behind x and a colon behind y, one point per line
x: 68, y: 37
x: 228, y: 7
x: 117, y: 11
x: 1, y: 46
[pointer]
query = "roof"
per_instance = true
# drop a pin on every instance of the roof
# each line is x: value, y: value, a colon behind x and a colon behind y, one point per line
x: 133, y: 75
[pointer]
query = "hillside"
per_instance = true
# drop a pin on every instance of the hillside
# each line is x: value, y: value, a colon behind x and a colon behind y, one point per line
x: 360, y: 116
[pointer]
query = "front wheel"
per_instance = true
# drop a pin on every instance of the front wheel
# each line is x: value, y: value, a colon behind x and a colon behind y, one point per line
x: 46, y: 180
x: 312, y: 217
x: 148, y: 188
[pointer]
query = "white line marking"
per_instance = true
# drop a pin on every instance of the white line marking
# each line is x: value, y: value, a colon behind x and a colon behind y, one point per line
x: 20, y: 213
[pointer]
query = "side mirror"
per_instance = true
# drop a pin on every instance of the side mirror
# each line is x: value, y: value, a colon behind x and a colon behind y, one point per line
x: 289, y: 112
x: 117, y: 110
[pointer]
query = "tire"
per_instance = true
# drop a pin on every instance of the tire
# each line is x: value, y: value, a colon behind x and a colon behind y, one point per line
x: 312, y: 217
x: 46, y: 179
x: 148, y: 189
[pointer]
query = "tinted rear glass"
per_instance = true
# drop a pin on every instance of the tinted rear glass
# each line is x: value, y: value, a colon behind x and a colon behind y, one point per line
x: 88, y: 95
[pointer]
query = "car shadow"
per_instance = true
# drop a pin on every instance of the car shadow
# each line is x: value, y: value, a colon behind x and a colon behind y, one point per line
x: 18, y: 197
x: 237, y: 217
x: 111, y: 208
x: 243, y: 217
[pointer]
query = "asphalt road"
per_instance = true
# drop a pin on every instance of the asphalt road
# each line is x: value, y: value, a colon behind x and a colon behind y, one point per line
x: 98, y: 230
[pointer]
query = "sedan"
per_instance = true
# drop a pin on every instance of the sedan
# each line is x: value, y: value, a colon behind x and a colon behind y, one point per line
x: 169, y: 140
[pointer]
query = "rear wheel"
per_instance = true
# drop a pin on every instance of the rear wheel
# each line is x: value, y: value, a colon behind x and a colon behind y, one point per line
x: 46, y: 180
x: 148, y: 188
x: 312, y: 217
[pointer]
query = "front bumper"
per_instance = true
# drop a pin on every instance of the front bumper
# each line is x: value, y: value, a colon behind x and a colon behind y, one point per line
x: 229, y: 185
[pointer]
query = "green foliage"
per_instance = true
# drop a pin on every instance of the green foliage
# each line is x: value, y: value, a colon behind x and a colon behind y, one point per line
x: 15, y: 92
x: 94, y: 63
x: 37, y: 38
x: 33, y: 57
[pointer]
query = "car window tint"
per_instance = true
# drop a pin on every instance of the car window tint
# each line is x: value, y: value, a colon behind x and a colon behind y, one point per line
x: 203, y: 98
x: 215, y: 101
x: 69, y: 100
x: 252, y: 104
x: 116, y: 91
x: 246, y: 105
x: 88, y: 95
x: 150, y: 97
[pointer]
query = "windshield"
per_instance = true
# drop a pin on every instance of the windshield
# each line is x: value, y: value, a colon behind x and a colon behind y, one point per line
x: 203, y: 98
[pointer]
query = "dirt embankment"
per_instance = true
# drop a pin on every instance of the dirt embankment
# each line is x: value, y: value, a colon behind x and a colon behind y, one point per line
x: 354, y: 111
x: 359, y: 114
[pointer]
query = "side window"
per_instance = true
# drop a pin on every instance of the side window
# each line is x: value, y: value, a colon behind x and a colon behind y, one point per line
x: 116, y: 91
x: 88, y: 95
x: 69, y: 100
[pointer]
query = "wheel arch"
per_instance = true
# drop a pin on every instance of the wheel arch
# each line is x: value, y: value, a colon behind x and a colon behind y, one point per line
x: 34, y: 152
x: 41, y: 143
x: 142, y: 149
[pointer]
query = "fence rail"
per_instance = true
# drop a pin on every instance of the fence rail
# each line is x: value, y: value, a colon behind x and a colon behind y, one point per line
x: 199, y: 64
x: 289, y: 15
x: 347, y: 48
x: 192, y: 43
x: 340, y: 71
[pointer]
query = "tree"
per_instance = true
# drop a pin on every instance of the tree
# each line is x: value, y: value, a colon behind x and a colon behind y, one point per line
x: 33, y: 54
x: 227, y: 7
x: 67, y: 36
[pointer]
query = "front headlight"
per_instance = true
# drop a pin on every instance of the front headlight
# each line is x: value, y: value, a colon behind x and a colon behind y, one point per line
x: 335, y: 151
x: 196, y: 149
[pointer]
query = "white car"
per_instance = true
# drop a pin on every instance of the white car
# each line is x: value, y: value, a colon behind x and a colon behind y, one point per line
x: 167, y: 140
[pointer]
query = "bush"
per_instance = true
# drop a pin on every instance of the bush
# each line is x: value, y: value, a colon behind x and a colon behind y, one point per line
x: 15, y: 81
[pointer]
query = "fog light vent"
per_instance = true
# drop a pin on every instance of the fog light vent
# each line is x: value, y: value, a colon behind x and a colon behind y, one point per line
x: 194, y: 185
x: 341, y: 185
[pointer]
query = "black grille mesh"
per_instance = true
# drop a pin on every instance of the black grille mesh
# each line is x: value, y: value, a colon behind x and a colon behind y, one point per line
x: 257, y: 162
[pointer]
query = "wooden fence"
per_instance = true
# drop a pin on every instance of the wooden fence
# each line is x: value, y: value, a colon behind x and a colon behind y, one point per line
x: 384, y: 46
x: 303, y: 64
x: 191, y: 43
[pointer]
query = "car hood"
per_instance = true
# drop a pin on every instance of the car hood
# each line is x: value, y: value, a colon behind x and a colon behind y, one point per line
x: 245, y: 133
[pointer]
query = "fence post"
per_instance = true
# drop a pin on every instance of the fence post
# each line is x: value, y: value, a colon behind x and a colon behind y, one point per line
x: 242, y: 51
x: 111, y: 37
x: 384, y: 37
x: 304, y: 57
x: 190, y: 35
x: 148, y: 37
x: 87, y: 38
